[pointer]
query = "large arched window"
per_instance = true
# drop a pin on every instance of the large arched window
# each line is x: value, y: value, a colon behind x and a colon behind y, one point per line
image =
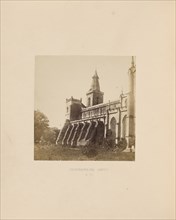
x: 113, y: 127
x: 124, y: 127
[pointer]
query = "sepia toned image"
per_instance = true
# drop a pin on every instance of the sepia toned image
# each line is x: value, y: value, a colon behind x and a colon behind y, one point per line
x: 84, y: 108
x: 88, y: 110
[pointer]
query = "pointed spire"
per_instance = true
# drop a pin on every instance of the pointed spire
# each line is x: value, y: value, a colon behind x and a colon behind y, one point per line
x: 95, y: 82
x: 132, y: 68
x: 95, y: 75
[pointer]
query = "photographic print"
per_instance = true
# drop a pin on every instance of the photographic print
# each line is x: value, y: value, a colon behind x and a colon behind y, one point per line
x: 85, y: 108
x: 88, y: 110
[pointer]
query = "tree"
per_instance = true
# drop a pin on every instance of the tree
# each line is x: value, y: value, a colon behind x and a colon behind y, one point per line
x: 41, y: 123
x: 56, y: 130
x: 49, y: 135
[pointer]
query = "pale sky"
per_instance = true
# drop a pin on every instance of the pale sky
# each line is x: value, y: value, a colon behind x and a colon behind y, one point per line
x: 60, y: 77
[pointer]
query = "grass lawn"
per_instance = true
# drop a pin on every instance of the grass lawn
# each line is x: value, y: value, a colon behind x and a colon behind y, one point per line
x: 53, y: 152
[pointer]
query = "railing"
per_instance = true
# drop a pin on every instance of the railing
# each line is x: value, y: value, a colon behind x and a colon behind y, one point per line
x: 99, y: 110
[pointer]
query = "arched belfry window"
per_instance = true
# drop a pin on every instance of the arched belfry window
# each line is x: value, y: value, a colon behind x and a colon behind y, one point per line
x: 89, y: 101
x: 97, y: 100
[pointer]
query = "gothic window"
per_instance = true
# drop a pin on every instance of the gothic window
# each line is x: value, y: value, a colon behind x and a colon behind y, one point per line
x: 124, y: 124
x: 126, y: 103
x: 113, y: 123
x: 67, y: 109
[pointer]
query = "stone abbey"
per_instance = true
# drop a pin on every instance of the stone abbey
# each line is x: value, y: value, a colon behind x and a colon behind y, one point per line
x: 97, y: 121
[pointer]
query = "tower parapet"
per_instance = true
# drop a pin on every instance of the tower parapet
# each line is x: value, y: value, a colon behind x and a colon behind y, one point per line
x: 73, y: 109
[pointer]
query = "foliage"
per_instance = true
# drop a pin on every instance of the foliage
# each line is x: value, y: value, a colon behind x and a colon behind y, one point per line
x: 89, y: 151
x: 42, y: 132
x: 122, y: 144
x: 49, y: 135
x: 56, y: 130
x: 53, y: 152
x: 132, y: 142
x: 41, y: 123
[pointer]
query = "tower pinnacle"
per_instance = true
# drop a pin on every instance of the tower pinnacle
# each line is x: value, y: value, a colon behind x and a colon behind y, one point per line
x: 132, y: 61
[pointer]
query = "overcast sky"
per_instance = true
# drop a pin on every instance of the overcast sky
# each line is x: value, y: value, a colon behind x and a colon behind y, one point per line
x: 60, y: 77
